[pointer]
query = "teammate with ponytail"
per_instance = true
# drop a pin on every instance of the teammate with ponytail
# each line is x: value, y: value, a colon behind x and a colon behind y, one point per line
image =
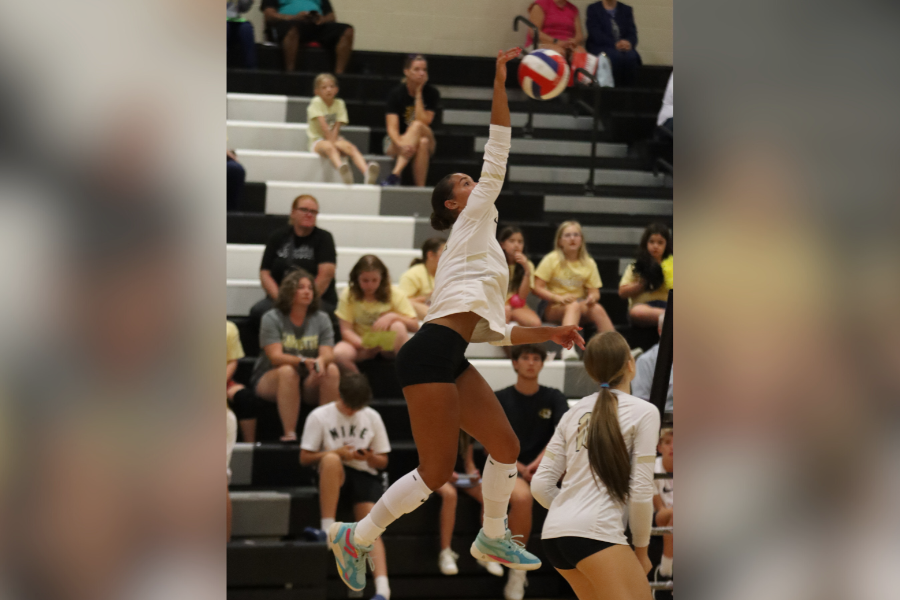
x: 606, y: 446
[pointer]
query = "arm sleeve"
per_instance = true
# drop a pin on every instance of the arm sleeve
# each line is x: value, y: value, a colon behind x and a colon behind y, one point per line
x: 640, y: 510
x: 342, y: 116
x: 269, y: 329
x: 326, y: 252
x: 400, y: 303
x: 553, y: 465
x: 380, y: 442
x: 594, y: 281
x: 326, y: 330
x: 668, y: 267
x: 496, y: 151
x: 545, y: 268
x: 311, y: 440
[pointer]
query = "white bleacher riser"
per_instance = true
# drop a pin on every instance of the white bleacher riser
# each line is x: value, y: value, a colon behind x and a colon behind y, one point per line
x: 256, y: 107
x: 242, y: 260
x: 260, y: 514
x: 370, y: 232
x: 618, y: 206
x: 264, y: 165
x: 334, y: 199
x: 242, y: 294
x: 292, y: 137
x: 500, y: 373
x: 541, y: 121
x: 534, y: 174
x: 594, y: 234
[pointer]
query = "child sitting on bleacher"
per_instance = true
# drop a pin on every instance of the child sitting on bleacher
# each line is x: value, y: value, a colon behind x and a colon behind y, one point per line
x: 375, y: 316
x: 568, y: 282
x: 418, y: 281
x: 347, y: 443
x: 521, y: 278
x: 664, y: 503
x: 647, y: 281
x: 325, y: 115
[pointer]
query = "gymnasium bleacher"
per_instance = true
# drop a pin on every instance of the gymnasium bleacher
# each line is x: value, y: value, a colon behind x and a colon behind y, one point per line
x: 273, y: 497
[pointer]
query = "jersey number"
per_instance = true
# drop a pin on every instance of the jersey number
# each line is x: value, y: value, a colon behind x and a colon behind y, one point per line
x: 583, y: 424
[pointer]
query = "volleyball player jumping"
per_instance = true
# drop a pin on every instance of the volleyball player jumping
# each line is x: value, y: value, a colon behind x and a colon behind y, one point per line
x: 444, y: 393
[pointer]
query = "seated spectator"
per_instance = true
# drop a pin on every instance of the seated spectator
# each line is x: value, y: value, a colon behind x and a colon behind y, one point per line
x: 299, y: 245
x: 418, y: 281
x: 559, y: 26
x: 568, y: 283
x: 646, y: 367
x: 236, y: 176
x: 371, y: 305
x: 611, y: 30
x: 295, y: 22
x: 325, y: 115
x: 466, y: 477
x: 411, y: 107
x: 240, y: 399
x: 664, y: 503
x: 666, y: 116
x: 351, y: 463
x: 240, y: 41
x: 533, y: 411
x: 297, y: 343
x: 521, y: 278
x: 647, y: 281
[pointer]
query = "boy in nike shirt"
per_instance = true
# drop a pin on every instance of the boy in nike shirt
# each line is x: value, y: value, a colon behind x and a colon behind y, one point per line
x: 347, y: 443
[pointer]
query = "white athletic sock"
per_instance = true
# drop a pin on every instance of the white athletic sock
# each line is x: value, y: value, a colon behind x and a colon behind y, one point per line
x: 382, y: 587
x: 326, y: 523
x: 665, y: 566
x: 497, y: 485
x: 405, y: 495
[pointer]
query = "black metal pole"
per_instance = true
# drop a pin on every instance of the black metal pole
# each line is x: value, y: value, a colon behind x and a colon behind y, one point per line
x: 660, y: 388
x: 528, y: 130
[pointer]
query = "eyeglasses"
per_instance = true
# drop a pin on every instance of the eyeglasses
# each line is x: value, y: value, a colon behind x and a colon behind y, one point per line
x: 307, y: 211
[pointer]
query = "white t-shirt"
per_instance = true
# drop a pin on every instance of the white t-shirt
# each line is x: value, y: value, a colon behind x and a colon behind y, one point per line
x: 328, y: 429
x: 583, y: 507
x: 663, y: 487
x: 668, y: 107
x: 472, y: 275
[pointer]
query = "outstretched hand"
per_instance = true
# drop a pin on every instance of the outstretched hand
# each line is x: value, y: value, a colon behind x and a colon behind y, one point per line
x: 503, y: 57
x: 567, y: 336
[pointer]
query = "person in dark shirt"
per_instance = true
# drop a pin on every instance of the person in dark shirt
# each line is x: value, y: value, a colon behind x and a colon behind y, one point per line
x: 611, y: 30
x: 534, y: 412
x: 411, y: 107
x: 300, y: 245
x: 291, y: 22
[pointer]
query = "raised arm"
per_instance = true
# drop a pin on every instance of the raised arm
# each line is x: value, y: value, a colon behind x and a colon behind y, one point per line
x: 500, y: 104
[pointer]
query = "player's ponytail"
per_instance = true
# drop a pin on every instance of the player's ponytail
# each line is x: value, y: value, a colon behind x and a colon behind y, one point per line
x: 605, y: 360
x: 442, y: 218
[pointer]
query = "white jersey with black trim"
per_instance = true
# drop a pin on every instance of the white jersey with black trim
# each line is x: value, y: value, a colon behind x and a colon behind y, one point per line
x: 664, y: 488
x: 583, y: 507
x: 472, y: 275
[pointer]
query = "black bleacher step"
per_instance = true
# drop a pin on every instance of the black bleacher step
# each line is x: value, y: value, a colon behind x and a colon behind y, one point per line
x: 653, y: 192
x: 631, y: 127
x: 249, y: 331
x: 271, y: 593
x: 352, y: 87
x: 251, y: 228
x: 450, y: 143
x: 639, y: 337
x: 579, y: 135
x: 540, y: 585
x: 301, y: 564
x: 253, y: 198
x: 581, y: 162
x: 395, y: 415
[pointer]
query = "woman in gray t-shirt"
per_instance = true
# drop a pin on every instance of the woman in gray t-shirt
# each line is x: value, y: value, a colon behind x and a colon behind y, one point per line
x: 297, y: 342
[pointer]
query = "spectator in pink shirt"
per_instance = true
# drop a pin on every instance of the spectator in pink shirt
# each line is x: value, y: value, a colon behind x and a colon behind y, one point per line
x: 559, y: 26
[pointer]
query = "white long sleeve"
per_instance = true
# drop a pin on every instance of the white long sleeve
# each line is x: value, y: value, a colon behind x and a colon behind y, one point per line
x: 643, y: 459
x: 552, y: 467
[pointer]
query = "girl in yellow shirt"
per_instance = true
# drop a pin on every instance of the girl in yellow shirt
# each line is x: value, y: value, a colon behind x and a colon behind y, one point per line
x: 647, y: 281
x: 521, y: 278
x: 418, y: 281
x: 371, y: 304
x: 568, y: 282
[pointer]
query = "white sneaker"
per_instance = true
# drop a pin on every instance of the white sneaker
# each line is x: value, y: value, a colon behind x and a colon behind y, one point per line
x: 569, y: 354
x: 372, y: 173
x: 515, y: 586
x: 493, y: 568
x: 447, y: 562
x: 346, y: 174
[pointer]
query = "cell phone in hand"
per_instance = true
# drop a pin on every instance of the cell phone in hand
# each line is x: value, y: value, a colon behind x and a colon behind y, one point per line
x: 360, y: 452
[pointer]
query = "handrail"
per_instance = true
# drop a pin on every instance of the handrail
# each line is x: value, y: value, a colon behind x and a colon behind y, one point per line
x: 594, y: 87
x: 535, y: 32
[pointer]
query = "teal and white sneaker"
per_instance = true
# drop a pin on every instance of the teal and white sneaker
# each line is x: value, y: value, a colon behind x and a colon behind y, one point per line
x: 351, y: 559
x: 507, y: 551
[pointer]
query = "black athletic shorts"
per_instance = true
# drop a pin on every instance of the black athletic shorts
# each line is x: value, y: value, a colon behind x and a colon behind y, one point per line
x: 360, y: 486
x: 435, y: 354
x: 327, y: 34
x: 566, y: 552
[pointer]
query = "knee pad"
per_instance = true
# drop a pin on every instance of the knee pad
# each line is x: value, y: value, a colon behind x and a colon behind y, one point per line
x: 406, y: 495
x: 498, y: 481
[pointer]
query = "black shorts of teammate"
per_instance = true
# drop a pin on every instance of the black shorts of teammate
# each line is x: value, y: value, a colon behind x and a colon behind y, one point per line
x: 564, y: 553
x: 360, y: 486
x: 435, y: 354
x: 326, y: 34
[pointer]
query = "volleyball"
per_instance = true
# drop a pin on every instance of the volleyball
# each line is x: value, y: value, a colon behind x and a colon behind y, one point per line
x: 543, y: 74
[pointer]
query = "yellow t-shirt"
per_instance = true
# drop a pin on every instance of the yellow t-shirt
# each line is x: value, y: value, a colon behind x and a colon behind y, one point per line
x: 660, y: 293
x: 362, y: 314
x: 336, y: 113
x: 565, y: 277
x: 512, y: 272
x: 234, y: 349
x: 417, y: 282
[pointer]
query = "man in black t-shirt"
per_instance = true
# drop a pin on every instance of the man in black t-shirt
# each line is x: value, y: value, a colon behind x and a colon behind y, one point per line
x: 292, y: 22
x: 533, y: 411
x: 411, y: 109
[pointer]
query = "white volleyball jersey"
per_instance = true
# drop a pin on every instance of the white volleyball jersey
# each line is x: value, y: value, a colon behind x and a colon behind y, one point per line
x: 664, y: 487
x: 472, y: 275
x: 583, y: 507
